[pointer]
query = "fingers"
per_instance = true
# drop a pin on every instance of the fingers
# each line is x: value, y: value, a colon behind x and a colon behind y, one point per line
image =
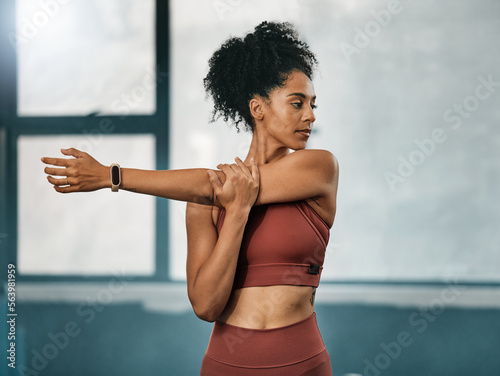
x: 58, y: 182
x: 56, y: 161
x: 64, y: 161
x: 255, y: 170
x: 56, y: 171
x: 63, y: 185
x: 66, y: 189
x: 215, y: 181
x: 73, y: 152
x: 226, y: 169
x: 234, y: 168
x: 243, y: 166
x: 66, y: 184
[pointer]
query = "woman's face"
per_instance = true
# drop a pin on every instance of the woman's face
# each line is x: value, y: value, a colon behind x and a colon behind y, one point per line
x: 289, y: 113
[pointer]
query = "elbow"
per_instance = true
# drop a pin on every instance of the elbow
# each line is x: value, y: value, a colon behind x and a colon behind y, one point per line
x: 205, y: 310
x: 206, y: 316
x: 209, y: 315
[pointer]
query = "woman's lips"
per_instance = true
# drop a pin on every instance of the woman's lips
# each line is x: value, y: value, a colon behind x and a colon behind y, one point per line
x: 305, y: 132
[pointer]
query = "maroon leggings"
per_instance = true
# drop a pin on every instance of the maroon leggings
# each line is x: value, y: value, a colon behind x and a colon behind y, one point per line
x: 291, y: 350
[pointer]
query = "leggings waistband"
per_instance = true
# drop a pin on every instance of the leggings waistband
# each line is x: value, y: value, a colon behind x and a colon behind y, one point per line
x: 261, y: 348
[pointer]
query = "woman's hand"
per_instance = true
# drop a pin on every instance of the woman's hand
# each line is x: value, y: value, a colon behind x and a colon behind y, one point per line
x: 241, y: 188
x: 81, y: 174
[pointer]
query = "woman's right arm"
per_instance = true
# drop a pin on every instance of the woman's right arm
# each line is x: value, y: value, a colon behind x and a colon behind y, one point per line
x: 85, y: 174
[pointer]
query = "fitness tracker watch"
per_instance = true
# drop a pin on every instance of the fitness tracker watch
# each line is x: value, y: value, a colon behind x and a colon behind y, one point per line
x: 116, y: 177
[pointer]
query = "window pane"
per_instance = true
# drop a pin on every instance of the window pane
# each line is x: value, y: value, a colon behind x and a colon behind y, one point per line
x: 86, y: 56
x: 94, y: 233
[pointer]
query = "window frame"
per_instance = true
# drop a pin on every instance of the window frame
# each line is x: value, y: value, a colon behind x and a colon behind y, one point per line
x: 12, y: 127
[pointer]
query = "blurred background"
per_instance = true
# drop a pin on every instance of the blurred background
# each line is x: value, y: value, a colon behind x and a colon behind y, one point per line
x: 408, y: 101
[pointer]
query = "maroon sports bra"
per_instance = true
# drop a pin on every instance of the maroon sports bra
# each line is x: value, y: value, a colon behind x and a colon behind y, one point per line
x: 283, y: 244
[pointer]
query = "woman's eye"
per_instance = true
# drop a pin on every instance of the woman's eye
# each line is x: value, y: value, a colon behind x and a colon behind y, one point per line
x: 299, y: 105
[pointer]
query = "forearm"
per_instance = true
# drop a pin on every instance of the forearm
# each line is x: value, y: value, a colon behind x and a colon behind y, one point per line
x: 190, y: 185
x: 213, y: 284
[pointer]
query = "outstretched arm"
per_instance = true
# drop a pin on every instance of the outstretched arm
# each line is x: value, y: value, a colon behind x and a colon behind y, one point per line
x: 85, y: 174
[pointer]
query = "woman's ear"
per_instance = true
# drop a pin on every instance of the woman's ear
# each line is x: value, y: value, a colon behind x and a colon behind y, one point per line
x: 257, y: 108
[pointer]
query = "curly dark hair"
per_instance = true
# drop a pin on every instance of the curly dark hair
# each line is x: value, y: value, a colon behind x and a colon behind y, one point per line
x: 254, y: 65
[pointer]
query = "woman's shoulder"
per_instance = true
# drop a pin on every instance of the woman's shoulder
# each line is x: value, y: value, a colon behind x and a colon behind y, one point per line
x: 315, y: 157
x: 314, y: 153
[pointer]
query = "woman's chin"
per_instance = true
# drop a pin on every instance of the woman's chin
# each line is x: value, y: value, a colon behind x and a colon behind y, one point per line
x: 298, y: 146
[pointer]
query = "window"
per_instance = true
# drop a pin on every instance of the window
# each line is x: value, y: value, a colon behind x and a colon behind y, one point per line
x: 91, y: 75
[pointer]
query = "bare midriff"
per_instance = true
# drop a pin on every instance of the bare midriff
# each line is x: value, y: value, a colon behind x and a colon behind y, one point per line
x: 266, y: 307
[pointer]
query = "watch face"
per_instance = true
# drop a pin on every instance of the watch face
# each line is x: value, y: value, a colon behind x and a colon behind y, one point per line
x: 115, y: 175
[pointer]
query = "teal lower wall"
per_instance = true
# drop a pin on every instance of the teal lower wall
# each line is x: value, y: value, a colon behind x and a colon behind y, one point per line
x: 368, y: 340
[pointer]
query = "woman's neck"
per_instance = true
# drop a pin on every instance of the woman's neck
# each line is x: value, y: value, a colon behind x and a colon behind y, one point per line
x: 265, y: 149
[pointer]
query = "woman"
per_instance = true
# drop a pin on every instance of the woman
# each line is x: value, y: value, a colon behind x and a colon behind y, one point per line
x: 257, y: 229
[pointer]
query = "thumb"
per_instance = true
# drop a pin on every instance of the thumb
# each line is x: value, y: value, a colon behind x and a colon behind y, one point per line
x: 215, y: 181
x: 73, y: 152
